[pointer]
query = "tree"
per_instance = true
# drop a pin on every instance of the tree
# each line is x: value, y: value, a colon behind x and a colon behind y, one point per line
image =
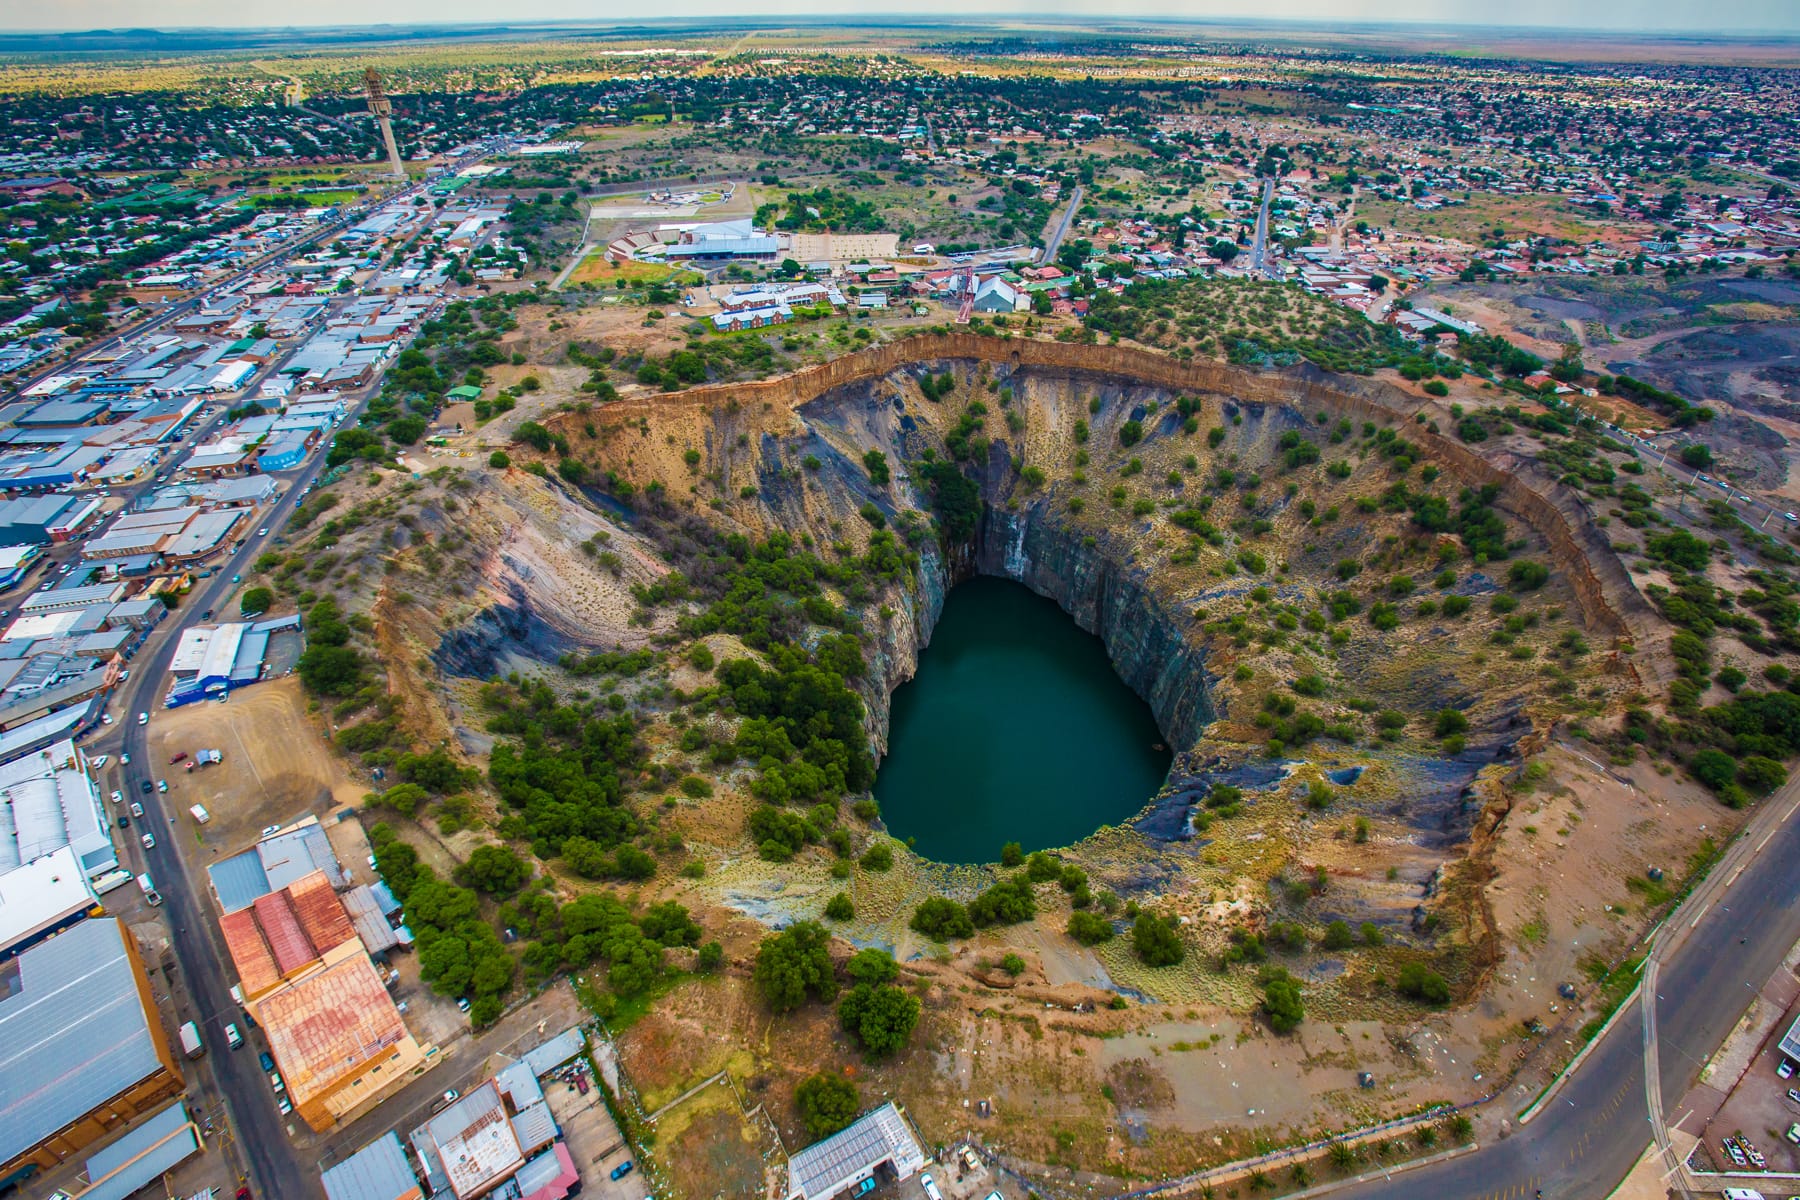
x: 631, y: 863
x: 839, y: 908
x: 827, y: 1103
x: 880, y: 1016
x: 793, y: 965
x: 872, y: 965
x: 1011, y: 854
x: 1005, y: 903
x: 1337, y: 936
x: 669, y: 924
x: 494, y: 870
x: 941, y: 918
x: 875, y: 462
x: 1156, y: 942
x: 1419, y: 982
x: 499, y: 460
x: 1697, y: 455
x: 1131, y: 433
x: 1090, y: 929
x: 256, y: 600
x: 1714, y: 768
x: 1281, y: 1000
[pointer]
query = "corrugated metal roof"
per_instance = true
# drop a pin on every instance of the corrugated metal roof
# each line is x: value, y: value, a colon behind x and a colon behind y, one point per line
x: 73, y: 1032
x: 288, y: 943
x: 290, y: 856
x: 534, y: 1127
x: 518, y: 1083
x: 141, y: 1156
x: 557, y: 1051
x: 379, y: 1171
x: 824, y: 1167
x: 239, y: 880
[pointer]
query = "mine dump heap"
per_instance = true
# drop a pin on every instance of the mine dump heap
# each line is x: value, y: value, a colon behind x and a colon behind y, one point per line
x: 382, y: 109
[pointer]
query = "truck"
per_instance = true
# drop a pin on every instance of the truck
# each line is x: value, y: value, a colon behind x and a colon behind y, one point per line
x: 208, y: 758
x: 151, y: 895
x: 190, y: 1040
x: 199, y: 813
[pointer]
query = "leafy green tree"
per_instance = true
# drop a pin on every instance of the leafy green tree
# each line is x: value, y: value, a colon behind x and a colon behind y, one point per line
x: 256, y: 600
x: 1005, y: 903
x: 793, y: 965
x: 880, y: 1016
x: 1155, y: 940
x: 493, y: 870
x: 839, y: 907
x: 1418, y: 982
x: 1011, y: 855
x: 876, y: 464
x: 1281, y: 1000
x: 872, y: 965
x: 1338, y: 936
x: 670, y: 924
x: 941, y: 918
x: 1714, y: 768
x: 1090, y: 929
x: 827, y: 1103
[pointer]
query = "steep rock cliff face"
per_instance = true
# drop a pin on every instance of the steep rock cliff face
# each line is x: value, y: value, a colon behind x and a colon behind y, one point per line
x: 1144, y: 636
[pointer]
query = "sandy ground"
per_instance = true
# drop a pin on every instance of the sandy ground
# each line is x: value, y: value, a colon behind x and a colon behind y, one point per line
x: 276, y: 766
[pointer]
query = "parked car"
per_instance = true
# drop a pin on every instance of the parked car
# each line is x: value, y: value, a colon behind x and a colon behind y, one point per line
x: 118, y: 797
x: 162, y: 785
x: 267, y: 1061
x: 177, y: 757
x: 146, y: 787
x: 931, y: 1187
x: 149, y: 841
x: 124, y: 760
x: 143, y: 718
x: 622, y: 1170
x: 1794, y: 1095
x: 124, y: 822
x: 270, y: 829
x: 1785, y: 1069
x: 233, y: 1038
x: 137, y: 810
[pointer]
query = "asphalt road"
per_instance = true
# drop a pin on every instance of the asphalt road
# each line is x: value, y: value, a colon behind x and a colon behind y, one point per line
x: 276, y: 1169
x: 1595, y: 1129
x: 1062, y: 228
x: 1259, y: 245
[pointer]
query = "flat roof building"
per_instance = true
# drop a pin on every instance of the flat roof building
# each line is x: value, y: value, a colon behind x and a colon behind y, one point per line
x: 82, y: 1048
x: 48, y: 801
x: 379, y: 1171
x: 878, y: 1144
x: 41, y: 899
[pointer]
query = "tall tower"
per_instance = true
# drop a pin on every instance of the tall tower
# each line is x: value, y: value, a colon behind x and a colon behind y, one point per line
x: 383, y: 110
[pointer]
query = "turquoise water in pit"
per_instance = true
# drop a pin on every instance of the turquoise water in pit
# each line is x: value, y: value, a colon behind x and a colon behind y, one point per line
x: 1015, y: 729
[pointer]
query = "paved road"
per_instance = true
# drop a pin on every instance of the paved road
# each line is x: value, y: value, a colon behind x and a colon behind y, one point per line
x: 1062, y: 227
x: 1594, y: 1130
x: 1259, y: 245
x: 275, y: 1169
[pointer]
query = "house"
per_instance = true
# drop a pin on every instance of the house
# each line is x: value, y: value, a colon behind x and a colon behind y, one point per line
x: 998, y: 296
x: 878, y: 1145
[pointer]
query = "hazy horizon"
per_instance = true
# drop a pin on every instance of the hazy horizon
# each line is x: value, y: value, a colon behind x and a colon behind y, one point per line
x: 1779, y: 18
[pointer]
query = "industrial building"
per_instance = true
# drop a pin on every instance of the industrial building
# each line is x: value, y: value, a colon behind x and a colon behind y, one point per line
x: 82, y: 1048
x: 331, y: 1025
x: 878, y: 1145
x: 142, y: 1157
x: 275, y: 862
x: 379, y: 1171
x: 41, y: 899
x: 212, y: 659
x: 48, y: 802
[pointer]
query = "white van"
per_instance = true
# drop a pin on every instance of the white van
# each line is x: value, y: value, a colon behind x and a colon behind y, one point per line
x: 199, y: 813
x: 232, y: 1037
x: 931, y: 1187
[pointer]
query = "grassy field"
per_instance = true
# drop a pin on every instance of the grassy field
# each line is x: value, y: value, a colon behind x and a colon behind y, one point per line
x: 1473, y: 222
x: 596, y: 269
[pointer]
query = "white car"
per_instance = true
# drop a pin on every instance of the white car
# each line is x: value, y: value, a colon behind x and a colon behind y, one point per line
x: 137, y: 810
x: 149, y: 842
x: 118, y: 797
x: 1786, y: 1068
x: 143, y: 718
x: 931, y: 1187
x: 106, y: 718
x: 263, y: 532
x: 124, y: 760
x: 162, y: 785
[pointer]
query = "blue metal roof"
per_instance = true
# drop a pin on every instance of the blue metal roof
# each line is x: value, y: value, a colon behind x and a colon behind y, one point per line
x: 379, y: 1171
x: 239, y: 880
x: 143, y: 1155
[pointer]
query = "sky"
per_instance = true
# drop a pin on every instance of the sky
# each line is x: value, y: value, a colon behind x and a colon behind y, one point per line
x: 1685, y: 16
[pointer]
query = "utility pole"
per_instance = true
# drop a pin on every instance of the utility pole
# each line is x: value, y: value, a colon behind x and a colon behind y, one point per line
x: 383, y: 111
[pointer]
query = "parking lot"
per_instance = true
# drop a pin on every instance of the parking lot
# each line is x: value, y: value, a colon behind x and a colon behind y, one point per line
x: 1743, y: 1098
x: 594, y: 1141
